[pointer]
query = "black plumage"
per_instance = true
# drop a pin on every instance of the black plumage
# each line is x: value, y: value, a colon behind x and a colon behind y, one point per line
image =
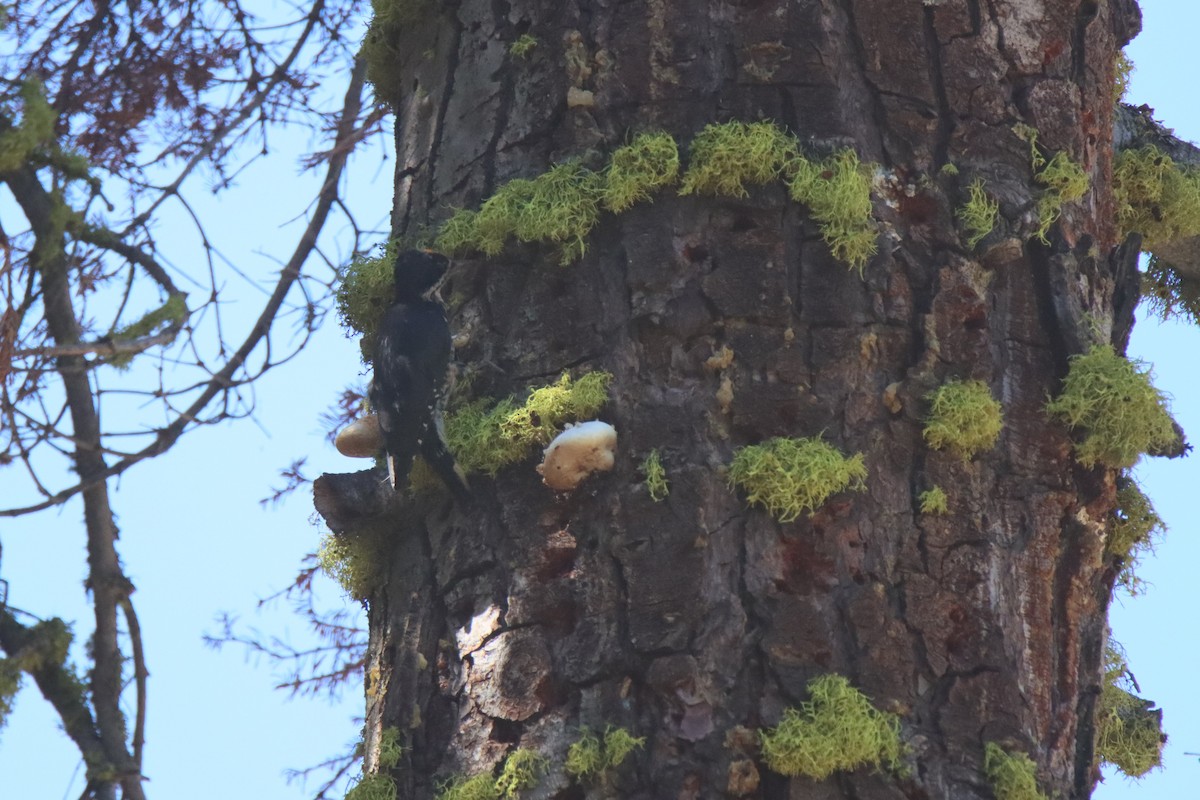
x: 412, y: 361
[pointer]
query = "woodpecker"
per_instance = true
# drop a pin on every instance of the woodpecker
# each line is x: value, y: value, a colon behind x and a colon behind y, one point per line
x: 412, y: 362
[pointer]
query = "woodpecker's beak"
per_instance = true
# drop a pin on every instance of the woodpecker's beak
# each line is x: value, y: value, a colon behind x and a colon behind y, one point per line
x: 435, y: 292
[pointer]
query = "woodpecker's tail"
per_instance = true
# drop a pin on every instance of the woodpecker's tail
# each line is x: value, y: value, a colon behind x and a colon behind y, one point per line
x: 435, y: 452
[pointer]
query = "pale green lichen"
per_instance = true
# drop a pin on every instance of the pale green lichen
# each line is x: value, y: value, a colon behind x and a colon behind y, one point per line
x: 585, y: 756
x: 618, y: 744
x: 1112, y: 400
x: 559, y: 206
x: 1155, y: 196
x: 648, y: 163
x: 837, y: 191
x: 521, y: 770
x: 385, y: 61
x: 1129, y: 729
x: 1012, y: 775
x: 934, y: 501
x: 1168, y: 293
x: 588, y: 756
x: 378, y: 786
x: 978, y: 215
x: 727, y: 157
x: 364, y: 292
x: 656, y: 477
x: 357, y: 563
x: 485, y: 437
x: 477, y: 787
x: 963, y: 418
x: 836, y: 730
x: 1063, y: 181
x: 523, y: 45
x: 1132, y: 532
x: 35, y: 128
x: 1122, y: 70
x: 791, y: 476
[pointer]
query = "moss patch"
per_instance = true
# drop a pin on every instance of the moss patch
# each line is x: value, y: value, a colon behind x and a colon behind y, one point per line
x: 656, y: 477
x: 1113, y: 401
x: 1134, y: 529
x: 934, y: 501
x: 791, y: 476
x: 487, y: 436
x: 523, y: 46
x: 560, y: 206
x: 521, y: 770
x: 1062, y: 180
x: 648, y: 163
x: 1155, y: 196
x: 379, y: 49
x: 978, y: 215
x: 837, y: 729
x: 477, y: 787
x: 727, y: 157
x: 837, y: 191
x: 35, y: 129
x: 1012, y: 775
x: 364, y: 293
x: 1168, y: 294
x: 358, y: 563
x: 1130, y: 735
x: 963, y: 418
x: 589, y: 756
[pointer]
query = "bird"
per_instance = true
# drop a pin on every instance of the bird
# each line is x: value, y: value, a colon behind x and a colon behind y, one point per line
x: 411, y: 366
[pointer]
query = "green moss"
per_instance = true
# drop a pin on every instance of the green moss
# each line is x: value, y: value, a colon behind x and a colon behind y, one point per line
x: 563, y: 209
x: 1129, y: 729
x: 358, y: 563
x: 523, y: 46
x: 934, y: 501
x: 837, y: 191
x: 379, y: 48
x: 618, y: 744
x: 656, y: 477
x: 390, y: 748
x: 1013, y: 776
x: 560, y: 206
x: 1112, y: 400
x: 35, y: 129
x: 949, y: 168
x: 836, y: 730
x: 791, y: 476
x: 978, y: 215
x: 1132, y: 533
x: 1062, y: 180
x: 364, y: 293
x: 10, y: 684
x: 585, y: 757
x: 589, y: 756
x: 487, y: 437
x: 1122, y: 70
x: 373, y: 787
x: 963, y: 418
x: 521, y: 770
x: 477, y: 787
x: 1156, y: 197
x: 649, y: 162
x: 172, y: 312
x: 725, y: 158
x: 1168, y: 294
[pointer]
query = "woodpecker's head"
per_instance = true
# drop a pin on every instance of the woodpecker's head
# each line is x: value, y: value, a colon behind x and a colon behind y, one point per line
x: 418, y: 274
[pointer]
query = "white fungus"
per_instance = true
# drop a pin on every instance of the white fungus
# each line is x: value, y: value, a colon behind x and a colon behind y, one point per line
x: 576, y: 453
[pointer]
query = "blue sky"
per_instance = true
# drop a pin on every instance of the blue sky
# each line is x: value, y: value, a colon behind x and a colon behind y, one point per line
x: 196, y: 542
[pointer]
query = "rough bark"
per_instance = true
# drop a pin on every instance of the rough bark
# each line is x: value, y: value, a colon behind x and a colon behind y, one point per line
x: 520, y: 621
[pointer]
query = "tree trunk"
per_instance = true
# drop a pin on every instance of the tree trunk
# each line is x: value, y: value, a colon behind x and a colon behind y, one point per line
x: 699, y: 619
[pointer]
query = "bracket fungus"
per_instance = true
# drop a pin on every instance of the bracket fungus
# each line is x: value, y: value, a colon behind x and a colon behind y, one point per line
x: 576, y: 453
